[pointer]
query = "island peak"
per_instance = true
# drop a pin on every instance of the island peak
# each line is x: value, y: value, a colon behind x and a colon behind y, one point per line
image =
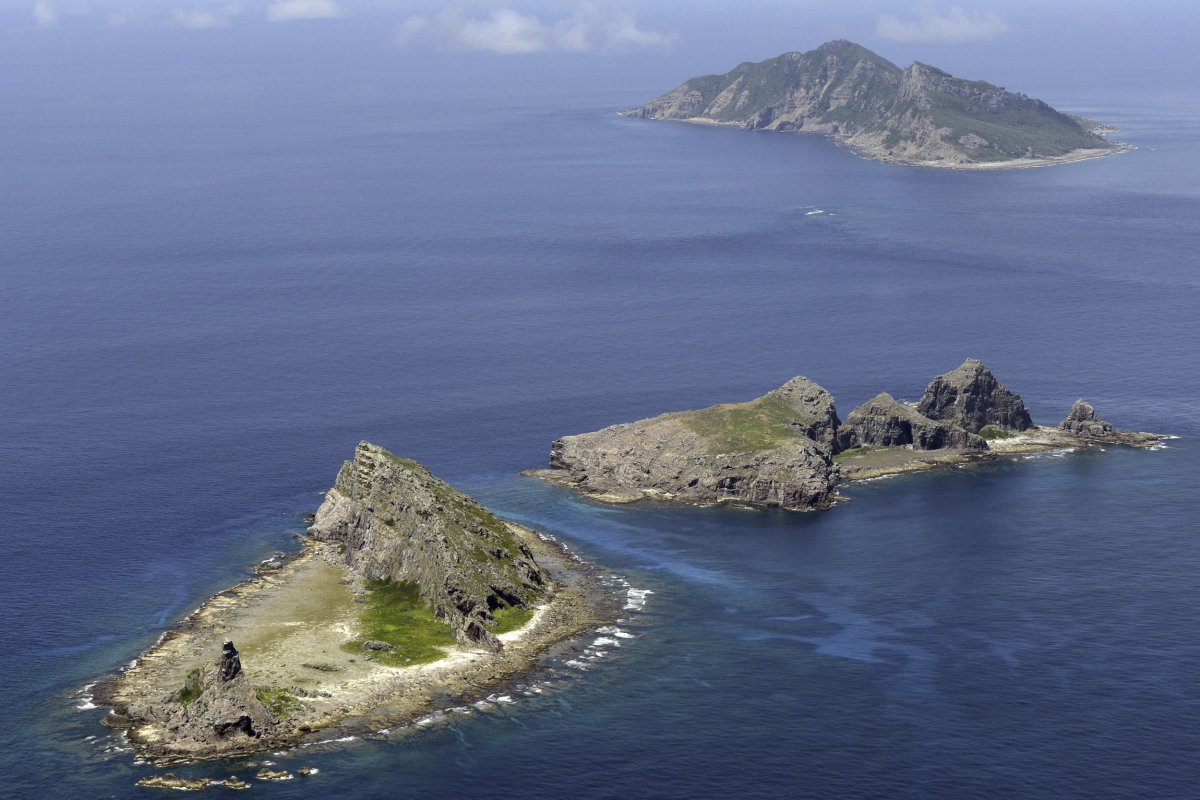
x: 406, y: 591
x: 395, y: 521
x: 917, y: 115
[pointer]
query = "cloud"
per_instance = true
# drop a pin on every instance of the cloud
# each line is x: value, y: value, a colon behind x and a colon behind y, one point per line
x: 594, y: 26
x: 931, y: 25
x: 409, y: 30
x: 288, y: 10
x: 201, y: 19
x: 44, y: 14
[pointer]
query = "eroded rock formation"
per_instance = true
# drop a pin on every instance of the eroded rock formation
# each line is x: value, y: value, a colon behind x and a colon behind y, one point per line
x: 1083, y: 422
x: 778, y: 450
x: 973, y: 399
x: 216, y: 708
x: 789, y: 449
x: 397, y: 522
x: 773, y: 451
x: 883, y: 421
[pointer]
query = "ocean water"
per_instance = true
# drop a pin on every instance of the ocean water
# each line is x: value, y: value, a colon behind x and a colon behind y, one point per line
x: 210, y: 294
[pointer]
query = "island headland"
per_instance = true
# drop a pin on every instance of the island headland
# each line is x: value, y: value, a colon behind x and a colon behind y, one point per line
x: 407, y: 596
x: 918, y: 115
x: 789, y: 449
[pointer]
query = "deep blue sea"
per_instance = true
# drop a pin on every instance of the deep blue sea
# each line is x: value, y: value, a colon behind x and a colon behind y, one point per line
x: 210, y: 293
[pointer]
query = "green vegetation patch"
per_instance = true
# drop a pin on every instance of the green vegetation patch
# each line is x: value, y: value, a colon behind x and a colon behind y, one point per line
x: 280, y: 701
x: 396, y: 615
x: 855, y: 452
x: 762, y: 424
x: 511, y: 618
x: 404, y: 462
x: 991, y: 432
x: 191, y: 687
x: 1018, y: 126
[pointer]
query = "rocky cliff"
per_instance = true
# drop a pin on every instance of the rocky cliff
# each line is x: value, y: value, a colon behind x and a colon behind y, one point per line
x: 397, y: 522
x: 919, y: 114
x: 883, y: 421
x: 971, y: 398
x: 789, y: 449
x: 772, y: 451
x: 216, y: 709
x: 1083, y: 422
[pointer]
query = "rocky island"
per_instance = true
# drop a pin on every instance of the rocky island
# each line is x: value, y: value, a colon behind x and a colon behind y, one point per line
x: 789, y: 449
x: 918, y: 115
x: 407, y: 594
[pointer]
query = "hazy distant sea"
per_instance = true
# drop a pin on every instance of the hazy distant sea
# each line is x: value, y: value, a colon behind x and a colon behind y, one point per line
x: 209, y: 299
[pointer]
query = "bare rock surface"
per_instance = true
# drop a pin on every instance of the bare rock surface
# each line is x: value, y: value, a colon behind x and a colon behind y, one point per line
x: 883, y: 421
x: 216, y: 708
x: 772, y: 451
x: 814, y: 409
x: 789, y: 449
x: 973, y: 399
x: 1083, y: 422
x: 398, y: 522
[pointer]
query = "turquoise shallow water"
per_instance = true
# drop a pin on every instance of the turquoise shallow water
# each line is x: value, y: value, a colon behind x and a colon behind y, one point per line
x: 208, y: 306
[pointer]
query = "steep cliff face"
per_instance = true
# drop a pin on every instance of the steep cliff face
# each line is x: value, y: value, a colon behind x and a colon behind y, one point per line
x: 397, y: 522
x: 1083, y: 422
x: 883, y: 421
x: 918, y: 114
x: 813, y: 411
x: 972, y: 398
x: 773, y: 451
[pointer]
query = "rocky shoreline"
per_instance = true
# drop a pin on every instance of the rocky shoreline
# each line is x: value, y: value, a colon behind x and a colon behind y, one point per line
x: 789, y: 449
x: 874, y: 151
x: 297, y: 672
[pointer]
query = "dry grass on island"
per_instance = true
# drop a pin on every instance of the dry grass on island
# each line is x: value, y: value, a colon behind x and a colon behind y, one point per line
x: 344, y: 637
x: 789, y: 449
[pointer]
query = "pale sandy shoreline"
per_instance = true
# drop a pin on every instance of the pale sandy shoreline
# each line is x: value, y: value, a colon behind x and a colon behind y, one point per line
x: 290, y: 626
x: 872, y: 154
x: 1017, y: 163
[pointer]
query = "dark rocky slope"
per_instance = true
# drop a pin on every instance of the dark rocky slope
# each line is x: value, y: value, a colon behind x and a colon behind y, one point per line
x: 217, y: 708
x: 973, y: 399
x: 883, y: 421
x: 398, y: 522
x: 919, y: 114
x: 1083, y: 422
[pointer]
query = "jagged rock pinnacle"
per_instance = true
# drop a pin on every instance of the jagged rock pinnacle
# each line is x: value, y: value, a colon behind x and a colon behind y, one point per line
x: 230, y: 664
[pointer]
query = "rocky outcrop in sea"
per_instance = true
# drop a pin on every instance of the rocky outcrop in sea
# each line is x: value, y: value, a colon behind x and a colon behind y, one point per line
x: 772, y: 451
x: 883, y: 421
x: 973, y: 399
x: 346, y: 635
x: 789, y: 449
x: 918, y: 114
x: 1083, y: 422
x: 217, y: 708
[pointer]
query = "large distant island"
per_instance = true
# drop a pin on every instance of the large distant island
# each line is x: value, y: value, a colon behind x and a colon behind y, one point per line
x: 407, y: 596
x: 918, y: 115
x: 789, y: 449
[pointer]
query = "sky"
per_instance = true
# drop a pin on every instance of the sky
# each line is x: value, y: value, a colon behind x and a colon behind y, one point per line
x: 1020, y: 44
